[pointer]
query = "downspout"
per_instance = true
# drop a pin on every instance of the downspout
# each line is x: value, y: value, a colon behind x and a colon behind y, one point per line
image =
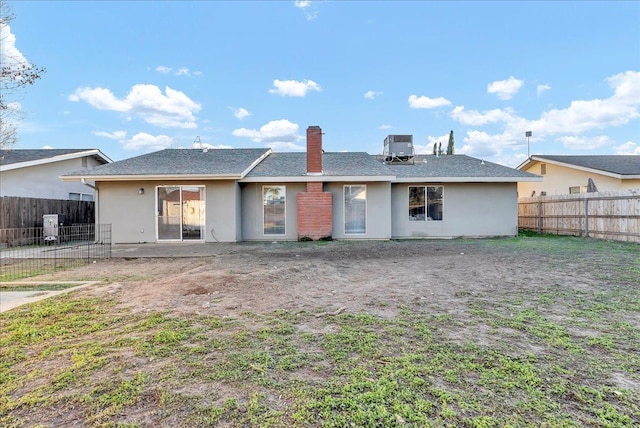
x: 95, y: 188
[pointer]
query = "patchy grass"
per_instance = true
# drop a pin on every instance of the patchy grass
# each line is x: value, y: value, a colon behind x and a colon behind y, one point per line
x: 84, y: 362
x: 37, y: 287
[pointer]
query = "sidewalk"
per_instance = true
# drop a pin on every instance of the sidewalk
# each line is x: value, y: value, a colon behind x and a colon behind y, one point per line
x: 13, y: 299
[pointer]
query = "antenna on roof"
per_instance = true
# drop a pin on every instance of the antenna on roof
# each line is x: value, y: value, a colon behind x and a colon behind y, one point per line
x: 197, y: 144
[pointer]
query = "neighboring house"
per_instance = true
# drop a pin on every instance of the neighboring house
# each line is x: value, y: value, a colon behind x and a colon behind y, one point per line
x: 571, y: 174
x: 231, y: 195
x: 36, y: 173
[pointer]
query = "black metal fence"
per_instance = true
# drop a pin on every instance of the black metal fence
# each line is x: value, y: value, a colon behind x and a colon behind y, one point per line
x: 34, y: 251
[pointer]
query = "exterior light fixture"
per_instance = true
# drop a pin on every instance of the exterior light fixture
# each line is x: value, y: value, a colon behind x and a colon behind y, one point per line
x: 528, y: 135
x: 141, y: 191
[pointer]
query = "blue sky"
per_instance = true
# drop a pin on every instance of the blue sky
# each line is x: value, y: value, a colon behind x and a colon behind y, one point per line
x: 132, y: 77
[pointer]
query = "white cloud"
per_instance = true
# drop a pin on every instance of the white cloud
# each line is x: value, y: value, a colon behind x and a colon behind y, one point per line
x: 47, y: 147
x: 505, y: 89
x: 628, y: 148
x: 542, y: 88
x: 147, y: 142
x: 581, y: 116
x: 182, y: 71
x: 10, y: 56
x: 428, y: 148
x: 173, y: 109
x: 476, y: 118
x: 294, y: 88
x: 116, y: 135
x: 383, y: 127
x: 306, y: 6
x: 142, y: 141
x: 585, y: 143
x: 371, y: 94
x: 281, y: 145
x: 202, y: 145
x: 276, y: 131
x: 240, y: 113
x: 426, y: 102
x: 568, y: 124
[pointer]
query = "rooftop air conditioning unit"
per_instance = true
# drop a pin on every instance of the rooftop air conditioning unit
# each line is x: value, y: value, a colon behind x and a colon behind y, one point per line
x: 398, y: 148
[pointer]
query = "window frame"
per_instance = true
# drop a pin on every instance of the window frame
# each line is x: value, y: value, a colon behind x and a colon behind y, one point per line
x: 263, y: 203
x: 441, y: 202
x: 82, y: 197
x: 424, y: 202
x: 344, y: 208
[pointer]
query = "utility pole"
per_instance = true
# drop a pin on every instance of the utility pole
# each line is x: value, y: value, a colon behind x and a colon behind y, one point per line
x: 528, y: 135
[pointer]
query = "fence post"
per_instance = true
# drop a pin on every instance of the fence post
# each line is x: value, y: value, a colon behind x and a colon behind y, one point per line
x: 539, y: 217
x: 586, y: 217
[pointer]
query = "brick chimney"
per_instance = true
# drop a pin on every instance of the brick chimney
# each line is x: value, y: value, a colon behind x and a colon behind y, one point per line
x: 314, y: 205
x: 314, y: 150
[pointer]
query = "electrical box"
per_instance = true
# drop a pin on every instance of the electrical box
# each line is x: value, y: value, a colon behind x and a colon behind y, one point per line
x: 51, y: 224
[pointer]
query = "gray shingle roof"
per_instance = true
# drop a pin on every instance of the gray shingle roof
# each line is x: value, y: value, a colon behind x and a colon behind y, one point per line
x: 333, y: 165
x: 8, y: 157
x: 617, y: 164
x: 430, y: 166
x: 180, y: 162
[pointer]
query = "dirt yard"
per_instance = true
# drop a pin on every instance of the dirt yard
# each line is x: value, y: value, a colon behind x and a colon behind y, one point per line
x: 377, y: 277
x: 529, y: 331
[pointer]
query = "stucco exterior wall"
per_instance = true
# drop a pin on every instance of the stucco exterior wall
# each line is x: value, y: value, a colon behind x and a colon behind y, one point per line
x: 558, y: 179
x: 469, y: 210
x: 252, y: 212
x: 378, y: 211
x: 133, y: 215
x: 43, y: 181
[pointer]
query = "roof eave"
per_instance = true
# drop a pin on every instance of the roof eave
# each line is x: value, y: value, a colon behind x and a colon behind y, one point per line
x: 59, y: 158
x: 467, y: 179
x: 319, y: 178
x: 578, y: 167
x: 155, y: 177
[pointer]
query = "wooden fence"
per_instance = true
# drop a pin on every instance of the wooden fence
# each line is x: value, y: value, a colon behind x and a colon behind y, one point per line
x: 16, y: 212
x: 606, y: 215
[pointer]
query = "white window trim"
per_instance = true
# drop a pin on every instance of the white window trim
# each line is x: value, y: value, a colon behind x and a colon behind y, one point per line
x: 344, y: 209
x: 285, y: 209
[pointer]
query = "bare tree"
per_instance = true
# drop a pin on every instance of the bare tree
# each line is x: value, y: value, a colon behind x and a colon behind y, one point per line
x: 16, y: 73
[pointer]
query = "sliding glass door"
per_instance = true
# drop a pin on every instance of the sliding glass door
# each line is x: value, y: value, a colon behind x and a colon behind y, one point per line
x: 180, y: 213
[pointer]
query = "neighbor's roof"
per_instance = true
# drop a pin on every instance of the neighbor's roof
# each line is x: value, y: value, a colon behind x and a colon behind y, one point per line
x: 178, y: 163
x: 456, y: 168
x: 341, y: 166
x: 22, y: 158
x: 621, y: 166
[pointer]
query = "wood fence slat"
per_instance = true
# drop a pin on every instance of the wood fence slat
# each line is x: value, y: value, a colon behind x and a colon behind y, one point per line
x: 606, y: 215
x: 17, y: 212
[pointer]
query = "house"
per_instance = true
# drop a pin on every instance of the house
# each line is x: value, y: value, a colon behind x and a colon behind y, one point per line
x: 232, y: 195
x: 571, y: 174
x: 36, y: 173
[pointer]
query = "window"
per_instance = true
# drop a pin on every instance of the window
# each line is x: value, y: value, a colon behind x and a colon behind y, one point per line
x: 543, y: 168
x: 417, y: 199
x: 425, y: 203
x: 355, y: 209
x: 577, y: 189
x: 434, y: 202
x: 274, y: 209
x: 80, y: 196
